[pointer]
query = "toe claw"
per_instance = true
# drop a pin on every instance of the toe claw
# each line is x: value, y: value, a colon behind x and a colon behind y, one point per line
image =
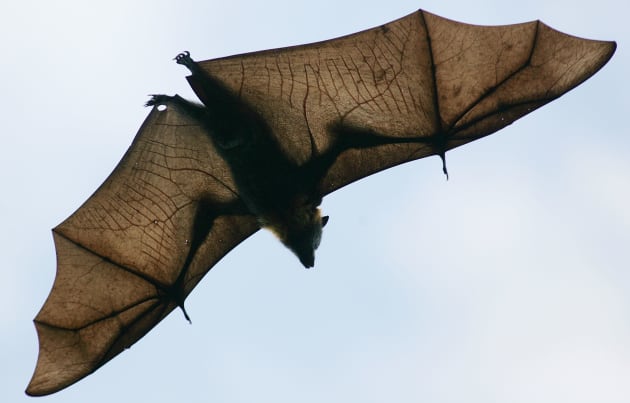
x: 157, y: 100
x: 183, y: 57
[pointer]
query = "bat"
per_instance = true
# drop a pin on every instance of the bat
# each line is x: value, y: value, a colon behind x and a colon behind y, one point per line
x: 276, y: 131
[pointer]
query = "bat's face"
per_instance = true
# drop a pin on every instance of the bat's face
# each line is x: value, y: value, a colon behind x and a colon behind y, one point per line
x: 300, y: 231
x: 303, y: 241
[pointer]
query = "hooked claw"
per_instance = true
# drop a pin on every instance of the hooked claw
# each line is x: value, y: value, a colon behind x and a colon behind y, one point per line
x: 158, y: 99
x: 185, y: 59
x: 180, y: 57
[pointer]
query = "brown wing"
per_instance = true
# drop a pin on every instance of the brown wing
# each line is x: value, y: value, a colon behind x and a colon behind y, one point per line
x: 134, y: 250
x: 421, y: 76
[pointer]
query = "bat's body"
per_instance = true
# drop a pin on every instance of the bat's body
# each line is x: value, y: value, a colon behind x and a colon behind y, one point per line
x: 279, y: 193
x: 278, y: 130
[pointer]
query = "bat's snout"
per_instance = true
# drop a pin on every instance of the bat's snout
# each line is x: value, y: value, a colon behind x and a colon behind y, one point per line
x: 308, y: 261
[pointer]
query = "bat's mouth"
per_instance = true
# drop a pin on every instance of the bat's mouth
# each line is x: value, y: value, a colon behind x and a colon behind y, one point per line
x: 307, y: 262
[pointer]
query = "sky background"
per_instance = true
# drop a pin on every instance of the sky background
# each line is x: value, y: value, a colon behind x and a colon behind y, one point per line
x: 508, y: 283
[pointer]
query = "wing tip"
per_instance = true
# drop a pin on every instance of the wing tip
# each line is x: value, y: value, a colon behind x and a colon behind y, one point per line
x: 49, y: 376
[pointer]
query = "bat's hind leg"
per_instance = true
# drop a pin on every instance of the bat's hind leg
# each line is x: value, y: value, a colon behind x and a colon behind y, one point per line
x: 192, y: 109
x: 160, y: 99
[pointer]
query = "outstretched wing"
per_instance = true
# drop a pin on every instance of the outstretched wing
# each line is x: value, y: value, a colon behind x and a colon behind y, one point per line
x: 421, y: 76
x: 420, y: 85
x: 136, y: 248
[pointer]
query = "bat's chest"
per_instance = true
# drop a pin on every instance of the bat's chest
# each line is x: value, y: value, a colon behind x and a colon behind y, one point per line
x: 266, y: 180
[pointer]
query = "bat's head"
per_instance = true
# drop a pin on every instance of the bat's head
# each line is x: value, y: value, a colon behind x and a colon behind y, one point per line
x: 301, y: 233
x: 304, y: 240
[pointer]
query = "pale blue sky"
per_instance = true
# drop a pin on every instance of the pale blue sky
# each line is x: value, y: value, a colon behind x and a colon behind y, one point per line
x: 508, y: 283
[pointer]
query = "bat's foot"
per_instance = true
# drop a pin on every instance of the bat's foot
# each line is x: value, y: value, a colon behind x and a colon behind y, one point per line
x: 163, y: 102
x: 185, y: 60
x: 159, y: 99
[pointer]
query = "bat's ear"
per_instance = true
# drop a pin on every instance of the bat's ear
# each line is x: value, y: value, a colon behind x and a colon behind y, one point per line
x: 324, y: 221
